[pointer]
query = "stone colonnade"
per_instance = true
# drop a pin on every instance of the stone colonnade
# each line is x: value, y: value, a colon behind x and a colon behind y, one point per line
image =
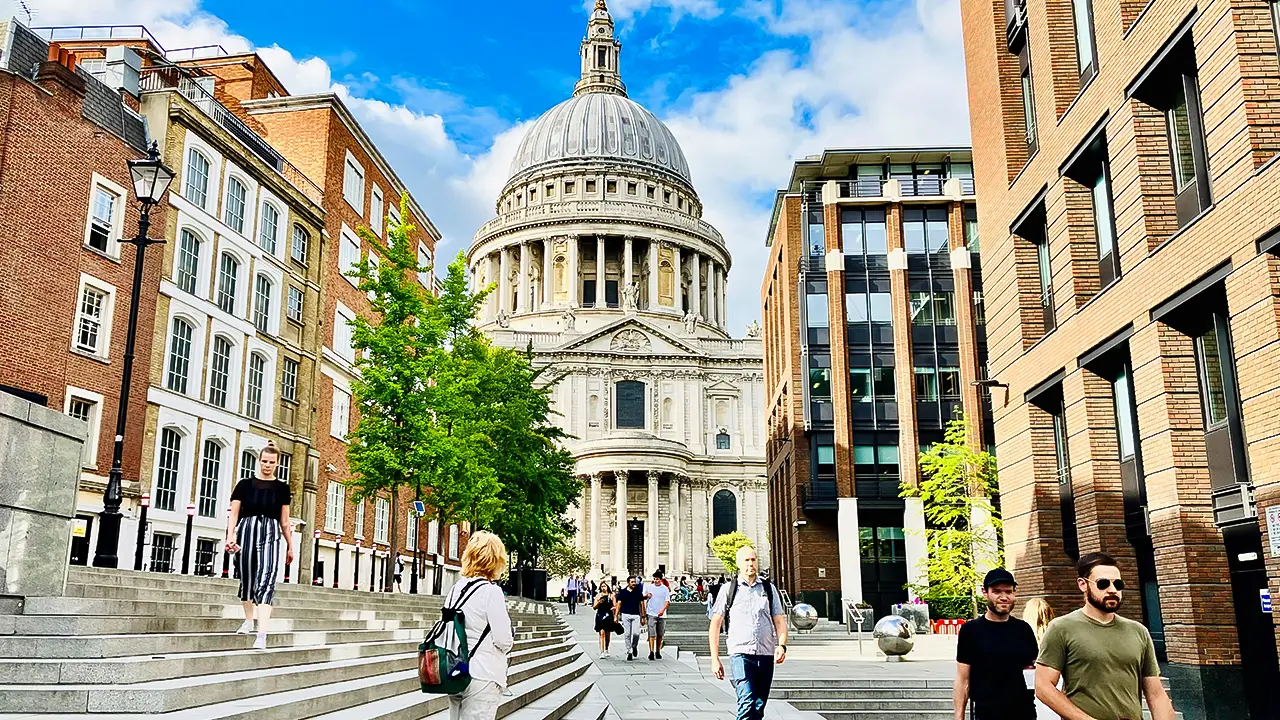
x: 545, y: 274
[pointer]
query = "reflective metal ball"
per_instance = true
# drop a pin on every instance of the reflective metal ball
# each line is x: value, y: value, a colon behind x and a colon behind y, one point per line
x: 804, y: 617
x: 893, y: 635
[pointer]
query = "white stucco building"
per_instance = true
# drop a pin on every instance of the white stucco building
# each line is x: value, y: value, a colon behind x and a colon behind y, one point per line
x: 604, y: 266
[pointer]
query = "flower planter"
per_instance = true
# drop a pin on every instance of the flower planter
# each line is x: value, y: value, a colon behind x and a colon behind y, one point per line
x: 917, y: 613
x: 868, y: 620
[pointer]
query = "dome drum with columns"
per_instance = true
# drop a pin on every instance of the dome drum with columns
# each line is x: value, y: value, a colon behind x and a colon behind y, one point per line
x: 604, y: 266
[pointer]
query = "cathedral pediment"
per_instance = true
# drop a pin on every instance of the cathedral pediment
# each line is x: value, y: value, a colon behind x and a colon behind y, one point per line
x: 631, y: 336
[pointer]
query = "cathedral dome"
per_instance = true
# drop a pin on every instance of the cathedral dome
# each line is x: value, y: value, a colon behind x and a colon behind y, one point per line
x: 600, y: 126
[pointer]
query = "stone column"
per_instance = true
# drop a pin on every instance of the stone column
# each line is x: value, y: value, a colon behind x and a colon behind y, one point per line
x: 583, y: 518
x: 596, y: 561
x: 575, y: 283
x: 849, y: 550
x: 651, y: 553
x: 547, y: 297
x: 628, y: 257
x: 494, y: 276
x: 695, y: 293
x: 675, y: 262
x: 653, y: 275
x: 723, y: 302
x: 620, y: 531
x: 504, y: 280
x: 600, y: 271
x: 524, y: 301
x: 713, y: 310
x: 674, y: 567
x: 698, y: 503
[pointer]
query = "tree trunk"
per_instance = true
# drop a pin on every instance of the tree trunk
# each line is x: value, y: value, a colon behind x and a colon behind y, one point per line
x: 394, y: 534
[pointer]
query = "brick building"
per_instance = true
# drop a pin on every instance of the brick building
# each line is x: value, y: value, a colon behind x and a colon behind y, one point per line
x: 65, y: 203
x: 1126, y: 166
x: 873, y: 337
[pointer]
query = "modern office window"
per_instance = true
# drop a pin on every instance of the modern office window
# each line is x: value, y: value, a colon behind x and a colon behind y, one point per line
x: 289, y: 379
x: 944, y: 308
x: 921, y: 308
x: 913, y: 231
x: 817, y: 236
x: 1086, y: 50
x: 949, y: 383
x: 237, y: 197
x: 1104, y: 227
x: 883, y: 383
x: 816, y: 310
x: 1044, y: 271
x: 851, y: 239
x: 971, y: 238
x: 875, y: 232
x: 228, y: 274
x: 881, y: 307
x: 924, y: 230
x: 979, y: 308
x: 926, y: 383
x: 860, y: 389
x: 167, y: 469
x: 269, y: 228
x: 856, y: 308
x: 188, y: 261
x: 179, y: 355
x: 210, y: 469
x: 219, y: 372
x: 826, y: 459
x: 1026, y: 86
x: 197, y: 187
x: 1062, y: 464
x: 819, y: 376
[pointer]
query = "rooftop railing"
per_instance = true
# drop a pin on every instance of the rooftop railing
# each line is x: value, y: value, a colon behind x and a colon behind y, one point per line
x: 56, y: 33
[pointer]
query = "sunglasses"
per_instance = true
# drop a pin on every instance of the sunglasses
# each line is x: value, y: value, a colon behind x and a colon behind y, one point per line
x: 1104, y: 583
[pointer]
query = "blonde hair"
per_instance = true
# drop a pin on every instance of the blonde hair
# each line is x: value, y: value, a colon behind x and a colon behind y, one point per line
x: 1037, y: 614
x: 485, y: 556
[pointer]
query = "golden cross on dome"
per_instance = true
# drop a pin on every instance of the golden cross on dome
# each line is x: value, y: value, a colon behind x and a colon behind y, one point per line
x: 600, y: 5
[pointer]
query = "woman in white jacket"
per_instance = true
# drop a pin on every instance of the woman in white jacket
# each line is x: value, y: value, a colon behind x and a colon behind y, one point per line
x: 483, y: 562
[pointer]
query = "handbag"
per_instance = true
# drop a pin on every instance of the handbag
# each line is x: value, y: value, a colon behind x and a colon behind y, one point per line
x: 440, y: 670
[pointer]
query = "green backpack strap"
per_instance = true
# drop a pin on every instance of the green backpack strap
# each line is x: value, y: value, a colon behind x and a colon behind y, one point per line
x: 460, y: 628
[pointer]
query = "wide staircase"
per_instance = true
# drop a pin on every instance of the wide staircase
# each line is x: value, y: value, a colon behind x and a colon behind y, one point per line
x: 687, y: 628
x: 130, y: 645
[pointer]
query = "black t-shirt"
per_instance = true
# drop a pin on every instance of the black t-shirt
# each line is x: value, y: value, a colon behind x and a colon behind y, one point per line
x: 997, y: 653
x: 630, y: 600
x: 261, y: 497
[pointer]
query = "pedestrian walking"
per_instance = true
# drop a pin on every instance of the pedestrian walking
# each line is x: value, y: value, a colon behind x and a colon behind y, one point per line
x: 486, y: 617
x: 606, y: 617
x: 629, y: 603
x: 751, y: 609
x: 1105, y: 662
x: 399, y: 574
x: 992, y: 652
x: 1038, y: 615
x: 657, y: 598
x: 571, y: 592
x: 259, y: 518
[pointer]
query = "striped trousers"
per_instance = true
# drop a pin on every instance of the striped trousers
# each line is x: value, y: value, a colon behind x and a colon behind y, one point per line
x: 259, y: 556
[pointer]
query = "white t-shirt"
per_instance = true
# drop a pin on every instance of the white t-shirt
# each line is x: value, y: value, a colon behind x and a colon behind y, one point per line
x: 655, y: 606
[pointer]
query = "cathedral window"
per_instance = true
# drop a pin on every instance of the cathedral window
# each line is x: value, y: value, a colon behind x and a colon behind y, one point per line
x: 602, y: 58
x: 651, y: 190
x: 631, y: 188
x: 630, y: 405
x: 591, y: 186
x: 722, y: 441
x: 724, y: 513
x: 568, y: 187
x: 666, y: 196
x: 611, y: 187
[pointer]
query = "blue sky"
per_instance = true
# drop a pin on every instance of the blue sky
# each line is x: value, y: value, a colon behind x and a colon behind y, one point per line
x: 447, y: 89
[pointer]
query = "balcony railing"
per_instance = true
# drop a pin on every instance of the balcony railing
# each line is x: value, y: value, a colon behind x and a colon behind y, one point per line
x: 1046, y: 309
x: 821, y: 494
x: 595, y: 210
x: 864, y: 188
x: 967, y: 186
x: 171, y: 77
x: 96, y: 32
x: 927, y: 186
x: 1015, y: 12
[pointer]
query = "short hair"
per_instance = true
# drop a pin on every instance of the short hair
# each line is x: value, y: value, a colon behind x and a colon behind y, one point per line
x: 1089, y: 561
x: 744, y: 548
x: 485, y: 556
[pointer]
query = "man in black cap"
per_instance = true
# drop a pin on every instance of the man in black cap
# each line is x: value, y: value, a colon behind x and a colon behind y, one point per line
x: 992, y: 653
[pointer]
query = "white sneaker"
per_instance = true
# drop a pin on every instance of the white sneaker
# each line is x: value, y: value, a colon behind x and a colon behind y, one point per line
x: 246, y: 628
x: 261, y: 642
x: 604, y: 655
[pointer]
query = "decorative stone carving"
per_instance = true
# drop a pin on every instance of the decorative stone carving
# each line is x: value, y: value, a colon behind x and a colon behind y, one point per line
x: 754, y: 330
x: 569, y: 318
x: 631, y: 296
x: 504, y: 318
x: 691, y: 319
x: 631, y: 340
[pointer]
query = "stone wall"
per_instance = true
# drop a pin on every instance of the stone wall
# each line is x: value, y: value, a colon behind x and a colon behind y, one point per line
x: 40, y: 466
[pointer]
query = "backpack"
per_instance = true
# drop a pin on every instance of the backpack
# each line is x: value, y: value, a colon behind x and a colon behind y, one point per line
x: 733, y: 592
x: 440, y: 670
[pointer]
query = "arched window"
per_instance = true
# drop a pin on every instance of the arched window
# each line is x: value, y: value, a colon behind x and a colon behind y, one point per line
x: 248, y: 465
x: 228, y: 274
x: 560, y: 277
x: 722, y: 413
x: 724, y: 513
x: 188, y: 261
x: 179, y: 356
x: 630, y: 405
x: 666, y: 283
x: 269, y: 228
x: 253, y: 386
x: 262, y: 302
x: 167, y: 469
x: 197, y: 189
x: 210, y: 468
x: 220, y: 371
x: 668, y: 411
x: 236, y: 196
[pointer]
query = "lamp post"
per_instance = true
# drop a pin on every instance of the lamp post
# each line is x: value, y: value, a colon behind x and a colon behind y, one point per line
x: 144, y: 502
x: 151, y: 179
x: 186, y: 542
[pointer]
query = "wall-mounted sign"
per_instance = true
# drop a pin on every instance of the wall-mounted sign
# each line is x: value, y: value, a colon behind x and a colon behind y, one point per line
x: 822, y: 572
x: 1273, y: 529
x: 1265, y: 596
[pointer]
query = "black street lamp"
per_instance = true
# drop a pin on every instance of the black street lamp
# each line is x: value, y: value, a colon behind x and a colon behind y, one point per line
x: 151, y: 179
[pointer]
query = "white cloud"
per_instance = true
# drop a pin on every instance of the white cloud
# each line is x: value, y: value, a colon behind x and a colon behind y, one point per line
x: 863, y: 81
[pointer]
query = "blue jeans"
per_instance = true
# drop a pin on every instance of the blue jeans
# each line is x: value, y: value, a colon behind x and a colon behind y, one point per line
x: 752, y: 676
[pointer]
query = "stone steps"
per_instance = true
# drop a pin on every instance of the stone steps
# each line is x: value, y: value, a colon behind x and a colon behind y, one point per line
x: 137, y: 645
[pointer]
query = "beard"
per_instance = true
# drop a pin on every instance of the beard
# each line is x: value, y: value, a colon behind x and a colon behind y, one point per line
x: 995, y: 609
x: 1105, y: 603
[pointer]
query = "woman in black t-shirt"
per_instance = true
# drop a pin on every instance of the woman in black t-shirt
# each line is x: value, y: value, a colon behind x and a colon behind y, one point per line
x: 259, y: 519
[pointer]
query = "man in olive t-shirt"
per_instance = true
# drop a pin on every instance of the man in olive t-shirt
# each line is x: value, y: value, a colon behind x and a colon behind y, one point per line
x: 1106, y: 662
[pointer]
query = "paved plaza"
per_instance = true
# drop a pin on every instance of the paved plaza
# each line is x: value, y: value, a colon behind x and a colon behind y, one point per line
x: 681, y: 685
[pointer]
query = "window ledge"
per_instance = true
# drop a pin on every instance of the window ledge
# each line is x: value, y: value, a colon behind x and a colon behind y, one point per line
x: 1182, y: 230
x: 294, y: 321
x: 90, y: 355
x: 106, y: 255
x: 1080, y: 93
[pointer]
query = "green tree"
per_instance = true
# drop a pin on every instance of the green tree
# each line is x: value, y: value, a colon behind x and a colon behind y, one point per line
x: 561, y: 559
x: 963, y: 530
x: 726, y: 548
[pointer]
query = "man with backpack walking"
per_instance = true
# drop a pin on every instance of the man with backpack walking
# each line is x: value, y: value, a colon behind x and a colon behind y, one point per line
x: 629, y: 603
x: 750, y: 609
